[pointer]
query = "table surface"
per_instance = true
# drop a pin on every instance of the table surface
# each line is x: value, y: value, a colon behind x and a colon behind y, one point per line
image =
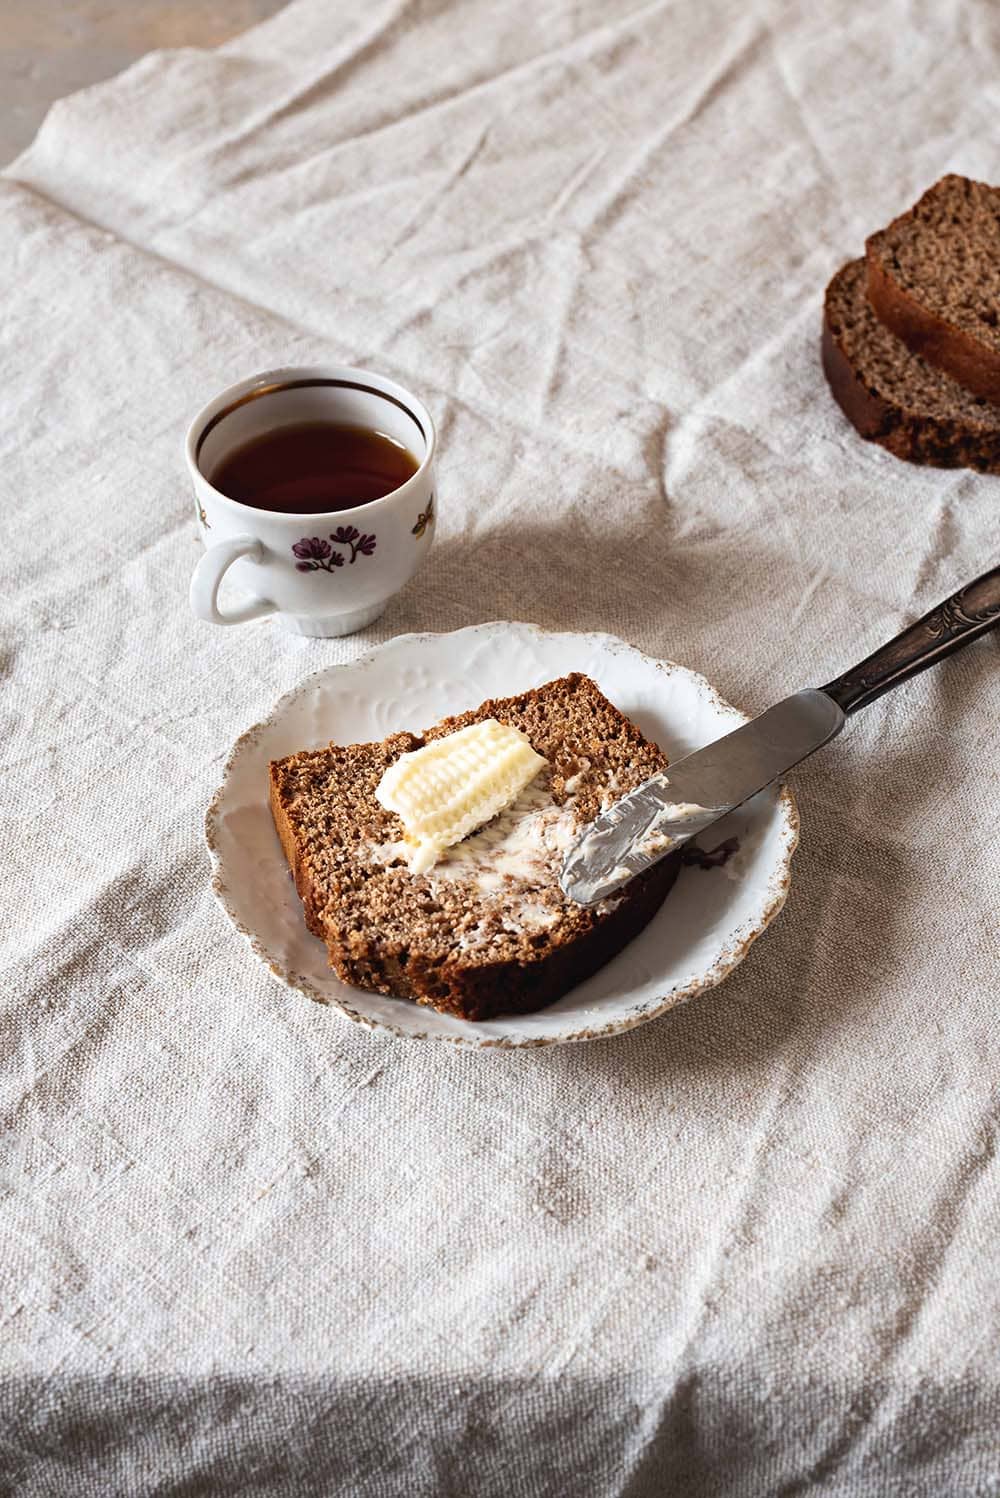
x: 747, y: 1249
x: 54, y: 47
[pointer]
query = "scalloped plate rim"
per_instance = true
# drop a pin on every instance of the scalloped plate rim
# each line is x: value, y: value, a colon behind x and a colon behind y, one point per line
x: 728, y: 959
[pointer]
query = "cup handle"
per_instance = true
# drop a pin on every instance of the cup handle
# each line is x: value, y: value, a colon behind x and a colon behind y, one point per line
x: 208, y: 575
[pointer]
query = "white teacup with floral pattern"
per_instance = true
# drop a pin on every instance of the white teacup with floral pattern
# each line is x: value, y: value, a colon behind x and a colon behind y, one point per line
x: 326, y: 574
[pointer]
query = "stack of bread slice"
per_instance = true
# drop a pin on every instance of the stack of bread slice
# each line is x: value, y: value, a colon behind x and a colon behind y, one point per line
x: 911, y: 332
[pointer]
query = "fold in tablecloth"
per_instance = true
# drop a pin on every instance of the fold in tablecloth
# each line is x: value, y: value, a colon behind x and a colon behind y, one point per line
x: 749, y: 1249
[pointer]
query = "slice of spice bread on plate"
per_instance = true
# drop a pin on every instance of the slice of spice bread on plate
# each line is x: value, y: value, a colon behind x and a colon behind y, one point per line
x: 892, y: 396
x: 487, y: 929
x: 934, y: 280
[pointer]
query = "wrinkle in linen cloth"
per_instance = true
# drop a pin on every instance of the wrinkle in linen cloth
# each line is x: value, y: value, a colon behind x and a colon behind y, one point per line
x: 748, y: 1249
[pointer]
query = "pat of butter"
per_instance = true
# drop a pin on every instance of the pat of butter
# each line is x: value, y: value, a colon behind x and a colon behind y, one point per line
x: 454, y: 784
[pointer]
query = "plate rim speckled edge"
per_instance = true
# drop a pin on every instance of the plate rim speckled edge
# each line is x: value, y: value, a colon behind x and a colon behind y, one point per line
x: 727, y: 961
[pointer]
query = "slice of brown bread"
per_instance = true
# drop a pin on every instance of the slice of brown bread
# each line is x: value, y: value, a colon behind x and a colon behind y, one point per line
x: 892, y: 396
x: 934, y: 280
x: 487, y: 930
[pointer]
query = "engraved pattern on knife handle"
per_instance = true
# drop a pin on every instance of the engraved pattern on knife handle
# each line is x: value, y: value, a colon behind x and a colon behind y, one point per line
x: 960, y: 619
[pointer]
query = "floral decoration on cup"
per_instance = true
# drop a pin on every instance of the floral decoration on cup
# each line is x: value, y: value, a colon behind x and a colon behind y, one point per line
x: 424, y: 519
x: 316, y: 555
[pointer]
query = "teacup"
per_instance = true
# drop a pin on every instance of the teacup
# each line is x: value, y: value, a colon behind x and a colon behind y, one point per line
x: 322, y: 574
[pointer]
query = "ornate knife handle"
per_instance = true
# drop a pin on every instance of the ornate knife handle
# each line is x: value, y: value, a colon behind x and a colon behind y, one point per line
x: 963, y: 617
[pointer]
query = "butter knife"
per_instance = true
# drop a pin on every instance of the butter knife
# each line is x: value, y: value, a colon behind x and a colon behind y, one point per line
x: 666, y: 811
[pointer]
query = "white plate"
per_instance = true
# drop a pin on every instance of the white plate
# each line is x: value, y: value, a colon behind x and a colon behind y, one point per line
x: 704, y: 927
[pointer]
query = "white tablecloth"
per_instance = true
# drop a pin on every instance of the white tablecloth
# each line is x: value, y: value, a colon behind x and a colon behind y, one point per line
x: 246, y: 1247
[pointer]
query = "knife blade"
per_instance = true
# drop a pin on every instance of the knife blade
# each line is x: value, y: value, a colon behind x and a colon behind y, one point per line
x: 666, y: 811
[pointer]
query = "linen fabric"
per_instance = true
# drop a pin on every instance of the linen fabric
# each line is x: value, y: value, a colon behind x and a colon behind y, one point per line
x: 247, y: 1247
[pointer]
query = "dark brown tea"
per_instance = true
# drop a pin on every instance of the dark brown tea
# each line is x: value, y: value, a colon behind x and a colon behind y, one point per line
x: 313, y: 467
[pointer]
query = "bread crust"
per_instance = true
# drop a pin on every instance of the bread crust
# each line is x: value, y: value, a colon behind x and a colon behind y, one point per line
x: 949, y: 348
x: 872, y: 416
